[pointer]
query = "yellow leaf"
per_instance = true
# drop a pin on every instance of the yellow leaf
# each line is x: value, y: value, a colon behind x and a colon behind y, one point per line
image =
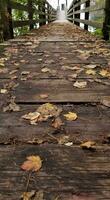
x: 33, y: 163
x: 104, y: 73
x: 71, y: 116
x: 28, y: 195
x: 90, y: 72
x: 88, y: 145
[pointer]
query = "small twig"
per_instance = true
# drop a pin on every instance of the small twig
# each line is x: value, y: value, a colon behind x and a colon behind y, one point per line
x: 28, y: 180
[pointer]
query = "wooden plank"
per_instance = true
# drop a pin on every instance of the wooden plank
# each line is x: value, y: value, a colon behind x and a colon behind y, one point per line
x: 93, y: 123
x: 90, y: 23
x: 85, y: 173
x: 59, y: 91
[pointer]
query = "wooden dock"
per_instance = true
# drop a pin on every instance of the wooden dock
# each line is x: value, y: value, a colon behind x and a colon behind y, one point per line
x: 69, y: 68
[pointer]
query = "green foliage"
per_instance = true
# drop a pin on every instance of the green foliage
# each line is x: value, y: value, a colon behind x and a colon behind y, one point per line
x: 98, y: 32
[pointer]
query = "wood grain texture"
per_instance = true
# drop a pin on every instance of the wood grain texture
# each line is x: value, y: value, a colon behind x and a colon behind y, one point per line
x: 67, y: 172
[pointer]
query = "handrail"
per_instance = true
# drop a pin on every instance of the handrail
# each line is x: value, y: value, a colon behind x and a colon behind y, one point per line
x: 39, y: 11
x: 75, y: 10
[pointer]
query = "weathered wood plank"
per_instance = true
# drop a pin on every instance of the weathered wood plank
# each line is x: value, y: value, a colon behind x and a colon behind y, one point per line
x: 93, y: 123
x: 85, y: 173
x: 59, y: 91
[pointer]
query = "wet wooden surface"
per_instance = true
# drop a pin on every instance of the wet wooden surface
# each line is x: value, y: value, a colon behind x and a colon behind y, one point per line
x: 68, y: 172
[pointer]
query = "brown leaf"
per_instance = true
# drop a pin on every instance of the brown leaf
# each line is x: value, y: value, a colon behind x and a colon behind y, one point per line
x: 57, y: 123
x: 63, y: 139
x: 43, y: 113
x: 88, y: 145
x: 49, y: 110
x: 28, y: 195
x: 106, y: 101
x: 33, y: 163
x: 39, y: 195
x: 32, y: 116
x: 12, y: 106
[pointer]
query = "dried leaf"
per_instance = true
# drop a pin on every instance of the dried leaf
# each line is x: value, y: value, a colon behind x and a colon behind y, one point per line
x: 91, y: 72
x: 80, y: 84
x: 49, y: 110
x: 63, y: 139
x: 45, y: 70
x: 104, y: 73
x: 39, y: 195
x: 71, y: 116
x: 31, y: 116
x: 69, y: 144
x: 3, y: 70
x: 28, y: 195
x: 57, y: 123
x: 25, y: 73
x: 3, y: 91
x: 44, y: 112
x: 106, y: 101
x: 43, y: 96
x: 33, y: 163
x: 12, y: 106
x: 88, y: 145
x: 91, y: 66
x: 13, y: 72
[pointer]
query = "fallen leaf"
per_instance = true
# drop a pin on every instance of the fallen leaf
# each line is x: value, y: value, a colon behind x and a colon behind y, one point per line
x: 3, y: 70
x: 104, y: 73
x: 71, y: 116
x: 13, y: 72
x: 80, y: 84
x: 72, y: 76
x: 39, y: 195
x: 105, y: 101
x: 39, y: 59
x: 57, y: 123
x: 44, y: 70
x: 25, y: 73
x: 28, y: 195
x: 90, y: 66
x: 69, y: 144
x: 3, y: 91
x: 23, y: 79
x: 33, y: 163
x: 88, y: 145
x: 43, y: 113
x: 63, y: 139
x: 13, y: 77
x: 12, y: 106
x: 48, y: 110
x: 90, y: 72
x: 43, y: 96
x: 32, y: 116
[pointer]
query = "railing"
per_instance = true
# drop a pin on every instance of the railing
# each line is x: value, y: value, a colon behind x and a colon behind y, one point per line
x: 86, y: 8
x: 38, y: 11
